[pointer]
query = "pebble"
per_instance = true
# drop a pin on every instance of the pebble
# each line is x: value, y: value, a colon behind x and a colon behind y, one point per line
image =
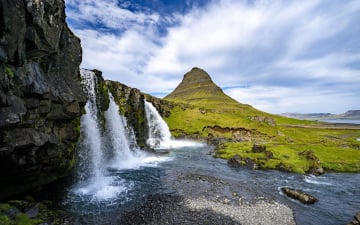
x: 206, y: 200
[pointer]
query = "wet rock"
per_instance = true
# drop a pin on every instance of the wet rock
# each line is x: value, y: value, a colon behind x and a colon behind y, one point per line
x: 235, y: 161
x: 356, y: 220
x: 258, y: 148
x: 357, y: 217
x: 33, y: 212
x: 284, y: 167
x: 172, y: 209
x: 41, y: 98
x: 251, y: 164
x: 299, y: 195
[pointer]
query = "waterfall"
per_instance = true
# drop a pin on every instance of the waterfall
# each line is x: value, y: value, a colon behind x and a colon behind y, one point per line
x: 159, y: 133
x: 104, y: 151
x: 92, y: 142
x: 126, y: 154
x: 159, y: 136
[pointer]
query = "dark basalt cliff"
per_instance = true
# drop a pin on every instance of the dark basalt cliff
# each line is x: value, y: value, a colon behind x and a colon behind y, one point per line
x: 41, y: 98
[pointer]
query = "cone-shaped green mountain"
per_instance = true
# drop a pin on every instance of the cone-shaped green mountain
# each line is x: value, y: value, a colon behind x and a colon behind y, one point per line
x: 200, y: 109
x: 196, y: 86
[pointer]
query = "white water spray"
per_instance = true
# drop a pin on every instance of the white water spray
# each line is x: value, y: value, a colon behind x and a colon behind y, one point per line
x: 102, y: 153
x: 159, y: 132
x: 127, y: 154
x: 90, y: 129
x: 159, y: 136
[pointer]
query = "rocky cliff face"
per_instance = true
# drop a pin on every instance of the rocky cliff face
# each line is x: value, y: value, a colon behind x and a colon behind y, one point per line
x: 41, y: 98
x: 131, y: 104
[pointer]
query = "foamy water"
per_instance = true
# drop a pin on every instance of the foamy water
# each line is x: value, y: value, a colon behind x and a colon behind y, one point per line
x: 311, y: 179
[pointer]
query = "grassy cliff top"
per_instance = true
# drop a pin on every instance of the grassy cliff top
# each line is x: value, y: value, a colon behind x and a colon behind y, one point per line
x: 207, y: 112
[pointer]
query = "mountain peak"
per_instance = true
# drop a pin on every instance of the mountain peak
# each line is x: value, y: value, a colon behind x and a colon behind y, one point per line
x: 197, y: 85
x: 197, y: 76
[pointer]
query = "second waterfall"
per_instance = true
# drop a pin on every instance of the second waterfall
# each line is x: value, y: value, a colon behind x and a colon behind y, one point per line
x: 105, y: 148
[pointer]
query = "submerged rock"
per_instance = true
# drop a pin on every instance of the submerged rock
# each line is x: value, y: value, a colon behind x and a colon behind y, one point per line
x: 299, y: 195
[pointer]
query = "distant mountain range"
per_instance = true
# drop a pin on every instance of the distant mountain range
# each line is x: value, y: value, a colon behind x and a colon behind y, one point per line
x: 351, y: 114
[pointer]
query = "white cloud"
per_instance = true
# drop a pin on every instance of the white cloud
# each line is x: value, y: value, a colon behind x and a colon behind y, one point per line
x: 278, y: 100
x: 109, y: 13
x: 286, y: 51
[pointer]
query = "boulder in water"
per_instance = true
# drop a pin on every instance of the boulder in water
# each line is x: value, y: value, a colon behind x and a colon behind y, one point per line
x: 299, y: 195
x: 356, y: 220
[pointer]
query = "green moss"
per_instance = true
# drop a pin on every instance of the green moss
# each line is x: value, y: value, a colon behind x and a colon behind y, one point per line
x: 8, y: 72
x: 4, y: 220
x: 23, y: 219
x: 288, y: 156
x: 4, y: 207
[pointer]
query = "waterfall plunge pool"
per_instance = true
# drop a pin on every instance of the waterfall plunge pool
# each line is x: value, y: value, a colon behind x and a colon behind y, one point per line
x: 114, y: 176
x: 338, y: 194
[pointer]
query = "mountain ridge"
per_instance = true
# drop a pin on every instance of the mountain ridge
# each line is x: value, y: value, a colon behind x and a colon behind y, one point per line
x: 350, y: 114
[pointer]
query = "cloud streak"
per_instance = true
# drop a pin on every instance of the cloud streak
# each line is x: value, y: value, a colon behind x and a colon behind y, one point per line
x: 280, y: 56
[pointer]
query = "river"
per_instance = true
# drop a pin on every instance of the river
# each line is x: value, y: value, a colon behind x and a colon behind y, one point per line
x: 338, y: 193
x: 114, y: 176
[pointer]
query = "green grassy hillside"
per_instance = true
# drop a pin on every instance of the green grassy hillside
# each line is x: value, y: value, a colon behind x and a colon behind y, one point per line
x: 295, y: 145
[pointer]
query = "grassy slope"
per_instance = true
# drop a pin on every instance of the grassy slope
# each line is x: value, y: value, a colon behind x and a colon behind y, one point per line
x: 337, y: 149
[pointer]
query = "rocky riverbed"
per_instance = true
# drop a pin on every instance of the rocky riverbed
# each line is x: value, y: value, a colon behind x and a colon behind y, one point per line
x: 199, y: 199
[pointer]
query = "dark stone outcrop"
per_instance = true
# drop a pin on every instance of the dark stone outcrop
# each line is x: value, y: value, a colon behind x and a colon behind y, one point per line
x: 315, y: 165
x: 30, y: 212
x: 262, y: 119
x: 238, y: 161
x: 284, y: 167
x: 41, y: 98
x: 238, y: 133
x: 258, y: 148
x: 299, y: 195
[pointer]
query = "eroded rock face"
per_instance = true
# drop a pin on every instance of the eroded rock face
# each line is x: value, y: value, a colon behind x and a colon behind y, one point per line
x: 41, y: 98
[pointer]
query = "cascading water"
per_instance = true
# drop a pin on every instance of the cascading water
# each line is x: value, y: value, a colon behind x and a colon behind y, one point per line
x: 94, y: 180
x: 91, y: 157
x: 108, y: 187
x: 159, y: 136
x: 159, y: 132
x: 123, y: 142
x: 103, y: 152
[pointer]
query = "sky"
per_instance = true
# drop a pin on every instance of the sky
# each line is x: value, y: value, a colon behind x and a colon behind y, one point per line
x: 276, y: 55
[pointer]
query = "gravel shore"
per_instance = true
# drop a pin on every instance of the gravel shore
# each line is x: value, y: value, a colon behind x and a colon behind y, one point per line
x: 200, y: 199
